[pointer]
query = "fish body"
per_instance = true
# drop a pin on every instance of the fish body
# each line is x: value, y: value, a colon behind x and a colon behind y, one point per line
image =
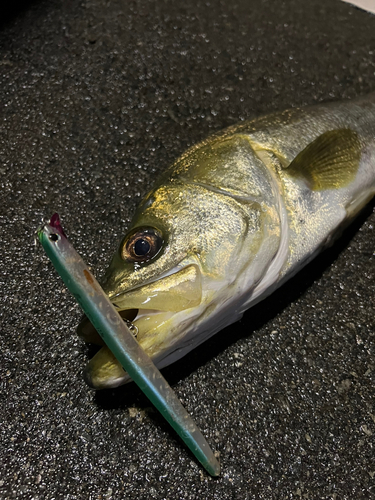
x: 231, y: 220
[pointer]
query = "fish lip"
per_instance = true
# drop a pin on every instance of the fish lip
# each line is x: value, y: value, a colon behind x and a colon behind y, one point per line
x: 170, y: 272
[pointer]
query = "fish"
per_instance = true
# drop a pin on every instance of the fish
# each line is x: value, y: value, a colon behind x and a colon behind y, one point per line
x: 230, y: 221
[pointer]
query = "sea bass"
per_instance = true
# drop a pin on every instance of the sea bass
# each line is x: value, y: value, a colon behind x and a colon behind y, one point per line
x: 230, y: 221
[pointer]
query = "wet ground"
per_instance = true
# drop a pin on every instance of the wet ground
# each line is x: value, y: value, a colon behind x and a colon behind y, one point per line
x: 96, y: 99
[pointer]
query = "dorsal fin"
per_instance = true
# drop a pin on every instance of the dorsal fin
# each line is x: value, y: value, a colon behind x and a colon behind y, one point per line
x: 329, y: 162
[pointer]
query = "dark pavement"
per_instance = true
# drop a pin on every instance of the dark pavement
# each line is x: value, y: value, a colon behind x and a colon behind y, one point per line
x: 97, y: 98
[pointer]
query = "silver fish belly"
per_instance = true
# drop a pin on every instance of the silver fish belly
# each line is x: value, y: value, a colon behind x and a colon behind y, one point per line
x: 231, y: 220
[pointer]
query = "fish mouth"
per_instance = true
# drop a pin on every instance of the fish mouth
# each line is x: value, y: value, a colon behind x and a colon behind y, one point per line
x: 150, y: 312
x: 103, y: 370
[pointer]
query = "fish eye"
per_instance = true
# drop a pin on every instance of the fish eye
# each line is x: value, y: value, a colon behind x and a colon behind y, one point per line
x: 141, y: 245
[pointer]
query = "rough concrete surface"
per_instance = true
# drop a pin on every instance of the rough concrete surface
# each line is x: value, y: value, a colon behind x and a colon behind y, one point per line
x: 97, y: 97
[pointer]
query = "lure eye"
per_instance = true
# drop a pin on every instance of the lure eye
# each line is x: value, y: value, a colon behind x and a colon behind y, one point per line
x: 141, y: 245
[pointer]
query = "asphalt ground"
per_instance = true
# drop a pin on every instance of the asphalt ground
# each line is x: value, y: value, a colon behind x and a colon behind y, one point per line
x: 97, y: 98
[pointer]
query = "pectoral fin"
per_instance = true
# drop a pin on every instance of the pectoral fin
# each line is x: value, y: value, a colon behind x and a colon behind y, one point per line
x: 329, y: 162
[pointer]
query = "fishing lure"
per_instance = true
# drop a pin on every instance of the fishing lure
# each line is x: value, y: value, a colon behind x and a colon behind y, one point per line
x: 117, y: 336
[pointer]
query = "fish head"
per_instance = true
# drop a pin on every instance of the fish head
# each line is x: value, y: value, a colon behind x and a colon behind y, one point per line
x: 191, y: 254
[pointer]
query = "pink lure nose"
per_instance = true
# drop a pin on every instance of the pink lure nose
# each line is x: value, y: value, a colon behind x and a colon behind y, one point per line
x: 55, y: 223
